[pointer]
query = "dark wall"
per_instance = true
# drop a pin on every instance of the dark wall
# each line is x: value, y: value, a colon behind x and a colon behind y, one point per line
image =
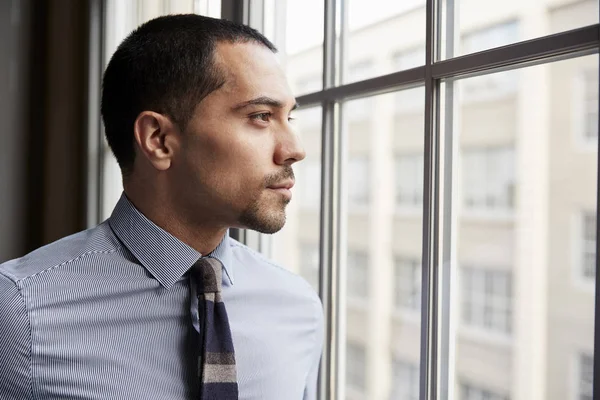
x: 42, y: 179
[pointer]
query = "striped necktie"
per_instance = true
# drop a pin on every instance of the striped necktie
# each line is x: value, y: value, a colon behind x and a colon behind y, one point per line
x: 216, y: 363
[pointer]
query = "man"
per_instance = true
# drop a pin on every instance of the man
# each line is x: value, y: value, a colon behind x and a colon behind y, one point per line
x: 158, y: 302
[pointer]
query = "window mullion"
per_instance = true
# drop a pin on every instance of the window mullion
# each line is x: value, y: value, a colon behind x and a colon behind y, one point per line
x: 430, y: 287
x: 329, y: 283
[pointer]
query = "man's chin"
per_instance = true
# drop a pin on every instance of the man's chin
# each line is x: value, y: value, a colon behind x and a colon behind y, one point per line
x: 263, y: 222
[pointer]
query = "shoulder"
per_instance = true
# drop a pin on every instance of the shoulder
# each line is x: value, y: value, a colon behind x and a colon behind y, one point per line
x: 69, y: 250
x: 272, y: 272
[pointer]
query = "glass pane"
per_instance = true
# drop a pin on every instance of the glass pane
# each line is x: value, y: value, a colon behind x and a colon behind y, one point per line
x: 483, y: 25
x: 122, y: 17
x: 382, y: 39
x: 300, y: 45
x: 383, y: 172
x: 524, y: 215
x: 296, y: 246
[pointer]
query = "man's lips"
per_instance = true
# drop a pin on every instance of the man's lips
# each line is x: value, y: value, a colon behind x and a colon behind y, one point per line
x: 282, y: 185
x: 284, y: 188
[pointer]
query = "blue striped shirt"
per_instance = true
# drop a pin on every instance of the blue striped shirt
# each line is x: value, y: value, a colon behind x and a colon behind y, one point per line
x: 108, y: 313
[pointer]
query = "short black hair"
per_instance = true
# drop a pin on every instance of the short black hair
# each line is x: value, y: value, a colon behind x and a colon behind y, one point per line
x: 166, y: 65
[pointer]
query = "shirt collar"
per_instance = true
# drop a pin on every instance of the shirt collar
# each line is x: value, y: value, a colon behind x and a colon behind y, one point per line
x: 162, y: 254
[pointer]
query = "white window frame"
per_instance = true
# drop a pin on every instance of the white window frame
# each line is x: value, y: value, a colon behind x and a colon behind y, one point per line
x: 418, y: 166
x: 477, y: 330
x: 489, y: 155
x: 358, y: 350
x: 579, y: 110
x: 579, y: 244
x: 494, y: 86
x: 359, y: 166
x: 414, y: 280
x: 481, y: 392
x: 409, y: 369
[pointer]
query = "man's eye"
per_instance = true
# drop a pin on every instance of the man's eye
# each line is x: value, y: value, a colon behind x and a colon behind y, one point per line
x: 265, y: 117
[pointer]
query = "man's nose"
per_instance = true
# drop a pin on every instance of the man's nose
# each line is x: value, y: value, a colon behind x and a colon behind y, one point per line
x: 289, y: 149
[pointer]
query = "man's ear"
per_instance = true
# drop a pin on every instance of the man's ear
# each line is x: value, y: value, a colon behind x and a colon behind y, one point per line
x: 155, y: 135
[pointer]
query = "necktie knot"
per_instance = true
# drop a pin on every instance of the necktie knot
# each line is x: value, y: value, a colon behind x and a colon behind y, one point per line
x: 208, y: 273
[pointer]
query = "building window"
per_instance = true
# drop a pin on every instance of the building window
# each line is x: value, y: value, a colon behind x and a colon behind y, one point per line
x: 358, y: 274
x: 309, y: 263
x: 405, y: 381
x: 356, y: 367
x: 409, y: 181
x: 490, y: 86
x: 358, y: 181
x: 589, y: 106
x: 471, y: 392
x: 407, y: 293
x: 588, y: 245
x: 586, y: 377
x: 487, y: 299
x: 489, y: 179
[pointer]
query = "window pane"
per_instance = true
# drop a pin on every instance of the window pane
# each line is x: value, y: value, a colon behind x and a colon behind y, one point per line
x: 300, y: 46
x: 296, y: 246
x: 524, y: 220
x: 383, y: 180
x: 483, y: 25
x: 382, y: 39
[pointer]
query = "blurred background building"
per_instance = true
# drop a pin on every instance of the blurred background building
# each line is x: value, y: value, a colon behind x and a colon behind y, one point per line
x: 517, y: 176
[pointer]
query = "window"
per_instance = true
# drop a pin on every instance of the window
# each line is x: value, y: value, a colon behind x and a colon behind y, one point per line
x: 309, y: 84
x: 487, y: 299
x: 409, y: 180
x: 470, y: 392
x: 405, y: 99
x: 490, y: 86
x: 405, y: 380
x: 359, y: 109
x: 588, y: 246
x: 589, y: 109
x: 495, y: 36
x: 356, y: 370
x: 489, y: 179
x: 309, y: 177
x: 585, y: 387
x: 358, y: 182
x: 408, y: 59
x: 408, y: 283
x: 358, y: 274
x: 309, y: 263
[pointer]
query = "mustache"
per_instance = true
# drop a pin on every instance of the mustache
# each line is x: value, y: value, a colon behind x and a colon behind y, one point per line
x: 286, y: 173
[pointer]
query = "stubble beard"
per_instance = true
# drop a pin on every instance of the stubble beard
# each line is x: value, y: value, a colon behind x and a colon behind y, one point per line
x: 267, y: 218
x: 264, y: 219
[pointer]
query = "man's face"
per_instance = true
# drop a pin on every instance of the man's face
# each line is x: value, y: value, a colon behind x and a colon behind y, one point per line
x: 234, y: 164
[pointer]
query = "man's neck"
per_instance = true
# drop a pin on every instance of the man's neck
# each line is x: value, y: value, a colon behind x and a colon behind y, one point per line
x: 201, y: 237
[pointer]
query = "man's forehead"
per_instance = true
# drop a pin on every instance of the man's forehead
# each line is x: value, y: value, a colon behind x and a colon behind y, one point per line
x: 251, y: 71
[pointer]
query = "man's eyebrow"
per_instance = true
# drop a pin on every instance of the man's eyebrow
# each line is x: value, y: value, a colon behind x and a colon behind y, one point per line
x: 262, y: 101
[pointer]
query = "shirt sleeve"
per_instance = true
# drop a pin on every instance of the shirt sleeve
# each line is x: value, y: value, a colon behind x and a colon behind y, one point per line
x: 310, y: 393
x: 15, y: 344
